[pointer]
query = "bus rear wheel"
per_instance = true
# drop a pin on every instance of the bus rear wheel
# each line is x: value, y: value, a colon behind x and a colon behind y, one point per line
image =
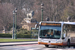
x: 46, y: 45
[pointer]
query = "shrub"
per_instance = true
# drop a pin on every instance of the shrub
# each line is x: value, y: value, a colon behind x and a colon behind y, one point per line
x: 23, y: 35
x: 18, y: 35
x: 6, y: 35
x: 23, y: 31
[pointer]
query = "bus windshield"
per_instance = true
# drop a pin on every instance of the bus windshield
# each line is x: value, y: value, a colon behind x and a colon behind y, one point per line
x: 52, y: 32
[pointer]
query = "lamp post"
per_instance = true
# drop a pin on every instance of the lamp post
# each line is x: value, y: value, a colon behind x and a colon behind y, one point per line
x: 42, y: 11
x: 13, y: 25
x: 15, y: 22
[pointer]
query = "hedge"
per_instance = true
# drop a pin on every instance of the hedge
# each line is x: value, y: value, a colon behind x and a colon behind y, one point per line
x: 5, y: 35
x: 18, y: 35
x: 23, y: 35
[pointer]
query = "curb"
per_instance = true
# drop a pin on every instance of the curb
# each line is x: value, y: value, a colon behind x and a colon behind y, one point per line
x: 17, y: 44
x: 18, y: 41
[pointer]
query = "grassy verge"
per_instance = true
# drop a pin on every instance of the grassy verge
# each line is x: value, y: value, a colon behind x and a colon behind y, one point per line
x: 16, y: 40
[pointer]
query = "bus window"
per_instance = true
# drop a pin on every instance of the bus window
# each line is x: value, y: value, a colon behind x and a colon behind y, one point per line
x: 49, y: 32
x: 57, y: 34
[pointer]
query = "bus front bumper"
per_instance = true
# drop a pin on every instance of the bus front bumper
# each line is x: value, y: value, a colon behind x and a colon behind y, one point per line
x: 51, y: 43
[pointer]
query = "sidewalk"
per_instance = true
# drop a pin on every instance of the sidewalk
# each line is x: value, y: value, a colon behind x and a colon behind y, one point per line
x: 17, y: 43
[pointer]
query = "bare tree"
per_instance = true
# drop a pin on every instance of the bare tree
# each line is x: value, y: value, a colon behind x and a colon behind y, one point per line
x: 6, y: 16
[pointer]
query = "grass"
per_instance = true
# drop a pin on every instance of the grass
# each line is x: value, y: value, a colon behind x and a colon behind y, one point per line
x: 16, y: 40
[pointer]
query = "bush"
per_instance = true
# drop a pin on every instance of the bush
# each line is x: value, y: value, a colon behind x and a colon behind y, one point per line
x: 23, y: 35
x: 23, y: 31
x: 18, y: 35
x: 6, y: 35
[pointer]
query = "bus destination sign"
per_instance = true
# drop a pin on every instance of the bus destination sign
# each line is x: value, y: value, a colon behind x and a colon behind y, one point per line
x: 51, y: 24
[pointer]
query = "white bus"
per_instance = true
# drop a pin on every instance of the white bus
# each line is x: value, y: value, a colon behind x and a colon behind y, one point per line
x: 56, y: 33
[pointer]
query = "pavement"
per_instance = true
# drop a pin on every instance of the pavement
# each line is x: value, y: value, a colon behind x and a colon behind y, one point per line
x: 17, y: 43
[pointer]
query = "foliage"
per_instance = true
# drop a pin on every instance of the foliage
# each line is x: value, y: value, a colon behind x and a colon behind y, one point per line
x: 6, y: 15
x: 23, y: 36
x: 65, y: 14
x: 34, y: 33
x: 18, y: 35
x: 5, y: 35
x: 23, y: 31
x: 9, y: 26
x: 34, y: 30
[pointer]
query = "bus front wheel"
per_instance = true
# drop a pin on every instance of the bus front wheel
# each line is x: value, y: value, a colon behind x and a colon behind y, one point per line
x: 46, y: 45
x: 68, y: 43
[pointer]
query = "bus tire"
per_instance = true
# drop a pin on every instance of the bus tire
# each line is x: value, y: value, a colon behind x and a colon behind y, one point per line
x: 68, y: 43
x: 46, y: 45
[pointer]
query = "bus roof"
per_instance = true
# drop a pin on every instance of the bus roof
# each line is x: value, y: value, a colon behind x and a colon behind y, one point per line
x: 71, y: 23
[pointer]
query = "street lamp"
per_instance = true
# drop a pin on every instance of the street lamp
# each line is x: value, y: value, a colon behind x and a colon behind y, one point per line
x: 42, y: 11
x: 14, y: 18
x: 15, y: 22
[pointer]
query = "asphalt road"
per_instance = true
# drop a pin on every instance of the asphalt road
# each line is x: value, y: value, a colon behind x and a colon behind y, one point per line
x: 34, y: 47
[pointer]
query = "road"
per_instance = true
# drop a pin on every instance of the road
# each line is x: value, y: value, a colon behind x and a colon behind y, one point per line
x: 33, y: 47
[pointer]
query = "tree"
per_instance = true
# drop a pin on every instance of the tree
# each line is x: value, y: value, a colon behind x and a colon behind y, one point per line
x: 6, y: 16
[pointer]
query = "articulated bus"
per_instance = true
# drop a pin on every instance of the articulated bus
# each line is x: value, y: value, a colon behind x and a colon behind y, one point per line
x: 56, y: 33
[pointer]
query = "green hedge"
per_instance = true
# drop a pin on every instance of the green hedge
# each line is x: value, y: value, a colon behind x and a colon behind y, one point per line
x: 18, y: 35
x: 5, y: 35
x: 23, y: 35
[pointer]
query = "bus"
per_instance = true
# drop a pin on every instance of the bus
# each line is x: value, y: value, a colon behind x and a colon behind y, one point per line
x: 56, y: 33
